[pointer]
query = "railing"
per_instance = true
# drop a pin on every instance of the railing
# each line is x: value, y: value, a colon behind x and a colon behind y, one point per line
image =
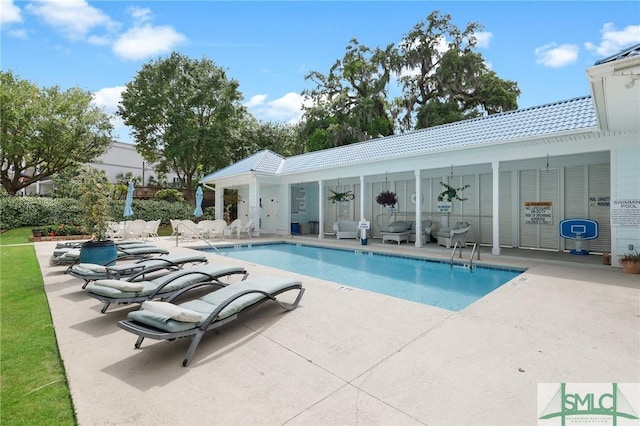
x: 197, y: 235
x: 459, y: 246
x: 475, y: 245
x: 453, y: 253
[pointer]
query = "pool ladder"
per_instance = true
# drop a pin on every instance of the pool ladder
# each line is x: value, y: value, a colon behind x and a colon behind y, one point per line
x: 459, y: 246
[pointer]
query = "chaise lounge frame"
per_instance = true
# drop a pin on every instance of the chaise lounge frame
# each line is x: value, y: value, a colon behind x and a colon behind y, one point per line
x: 211, y: 322
x: 137, y: 269
x: 207, y: 279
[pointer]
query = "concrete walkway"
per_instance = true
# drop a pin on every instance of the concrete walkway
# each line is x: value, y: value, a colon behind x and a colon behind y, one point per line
x: 349, y: 356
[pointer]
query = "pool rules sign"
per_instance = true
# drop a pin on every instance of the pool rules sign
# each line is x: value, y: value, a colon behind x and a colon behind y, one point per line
x: 538, y: 213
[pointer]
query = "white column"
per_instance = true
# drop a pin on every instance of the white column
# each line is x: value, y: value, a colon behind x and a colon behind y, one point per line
x: 321, y: 209
x: 495, y: 249
x: 254, y: 205
x: 418, y: 224
x: 444, y: 220
x: 219, y: 199
x: 361, y: 198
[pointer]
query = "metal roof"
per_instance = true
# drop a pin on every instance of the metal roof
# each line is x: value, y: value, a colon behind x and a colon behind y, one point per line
x: 627, y: 53
x: 564, y: 116
x: 263, y: 162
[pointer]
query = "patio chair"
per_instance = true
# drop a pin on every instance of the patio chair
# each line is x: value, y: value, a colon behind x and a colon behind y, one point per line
x: 151, y: 229
x: 133, y: 270
x: 123, y: 291
x: 346, y: 229
x: 134, y: 229
x: 233, y: 228
x: 205, y: 228
x: 247, y: 228
x: 217, y: 229
x: 115, y: 230
x: 450, y: 235
x: 169, y: 321
x: 188, y: 230
x: 174, y: 226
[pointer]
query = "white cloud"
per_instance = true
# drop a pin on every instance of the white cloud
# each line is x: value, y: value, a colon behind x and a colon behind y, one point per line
x: 108, y: 98
x: 146, y: 41
x: 19, y: 33
x: 9, y: 13
x: 287, y: 108
x: 74, y: 18
x: 483, y: 38
x: 554, y: 56
x: 103, y: 40
x: 613, y: 41
x: 140, y: 14
x: 256, y: 101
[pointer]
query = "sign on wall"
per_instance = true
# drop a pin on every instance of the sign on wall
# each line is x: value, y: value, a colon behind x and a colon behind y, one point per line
x: 625, y: 213
x: 538, y: 213
x: 601, y: 201
x: 444, y: 206
x: 298, y: 199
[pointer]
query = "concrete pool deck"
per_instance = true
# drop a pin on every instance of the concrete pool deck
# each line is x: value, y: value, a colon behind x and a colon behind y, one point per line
x: 348, y: 356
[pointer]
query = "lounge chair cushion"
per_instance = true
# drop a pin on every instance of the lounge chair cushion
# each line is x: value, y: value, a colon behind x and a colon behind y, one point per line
x: 159, y: 321
x: 91, y: 267
x: 120, y: 285
x: 172, y: 311
x: 206, y: 304
x: 398, y: 226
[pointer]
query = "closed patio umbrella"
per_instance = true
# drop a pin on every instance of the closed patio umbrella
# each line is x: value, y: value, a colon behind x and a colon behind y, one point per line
x: 128, y: 211
x: 199, y: 196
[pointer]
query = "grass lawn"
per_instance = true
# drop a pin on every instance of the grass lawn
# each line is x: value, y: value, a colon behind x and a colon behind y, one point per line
x: 33, y: 389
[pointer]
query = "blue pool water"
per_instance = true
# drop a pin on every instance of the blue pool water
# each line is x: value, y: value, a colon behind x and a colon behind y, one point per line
x: 429, y: 282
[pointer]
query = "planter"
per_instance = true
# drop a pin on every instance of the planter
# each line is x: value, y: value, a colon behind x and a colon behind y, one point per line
x: 99, y: 252
x: 37, y: 232
x: 630, y: 267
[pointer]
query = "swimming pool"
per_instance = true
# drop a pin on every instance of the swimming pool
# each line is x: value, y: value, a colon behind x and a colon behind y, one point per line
x: 429, y: 282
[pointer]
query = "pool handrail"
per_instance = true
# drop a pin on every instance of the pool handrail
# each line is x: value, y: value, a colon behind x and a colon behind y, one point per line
x: 473, y: 250
x: 197, y: 234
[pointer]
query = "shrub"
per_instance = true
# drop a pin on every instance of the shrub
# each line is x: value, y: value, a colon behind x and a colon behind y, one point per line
x: 171, y: 195
x: 45, y: 212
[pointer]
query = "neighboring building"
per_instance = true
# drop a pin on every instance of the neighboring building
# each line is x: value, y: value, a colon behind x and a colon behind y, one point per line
x: 526, y: 169
x: 120, y: 158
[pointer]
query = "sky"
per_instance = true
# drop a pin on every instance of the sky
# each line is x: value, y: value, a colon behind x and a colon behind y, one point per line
x: 269, y: 46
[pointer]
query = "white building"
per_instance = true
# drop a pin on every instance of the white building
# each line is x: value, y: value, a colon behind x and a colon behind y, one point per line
x: 122, y: 158
x: 119, y: 158
x: 577, y: 158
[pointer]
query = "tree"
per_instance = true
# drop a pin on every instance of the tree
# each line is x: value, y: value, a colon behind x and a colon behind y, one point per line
x: 182, y: 112
x: 438, y: 66
x: 45, y: 131
x: 253, y: 136
x: 349, y: 103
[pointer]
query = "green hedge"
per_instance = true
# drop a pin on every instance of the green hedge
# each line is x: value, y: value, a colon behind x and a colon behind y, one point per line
x: 16, y: 212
